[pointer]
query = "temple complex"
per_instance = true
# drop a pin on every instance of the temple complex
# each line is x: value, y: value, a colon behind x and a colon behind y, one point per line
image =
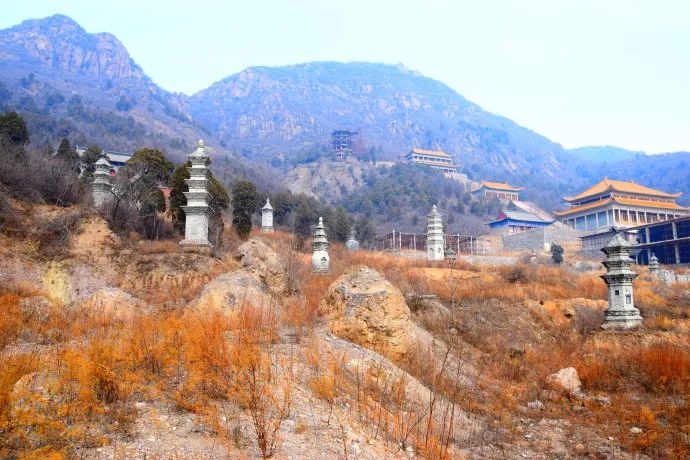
x: 612, y: 203
x: 621, y: 312
x: 498, y: 190
x: 433, y: 158
x: 197, y: 211
x: 267, y: 217
x: 101, y: 187
x: 434, y: 236
x: 320, y: 260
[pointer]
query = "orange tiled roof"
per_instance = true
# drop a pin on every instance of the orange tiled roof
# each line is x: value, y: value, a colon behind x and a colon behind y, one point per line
x: 583, y: 207
x: 500, y: 186
x: 607, y: 184
x: 649, y: 203
x: 624, y: 201
x: 436, y: 153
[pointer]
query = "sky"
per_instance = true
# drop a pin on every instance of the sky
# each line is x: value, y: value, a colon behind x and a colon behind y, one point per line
x: 581, y: 72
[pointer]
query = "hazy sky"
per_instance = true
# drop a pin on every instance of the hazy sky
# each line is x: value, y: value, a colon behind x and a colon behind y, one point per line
x: 579, y: 72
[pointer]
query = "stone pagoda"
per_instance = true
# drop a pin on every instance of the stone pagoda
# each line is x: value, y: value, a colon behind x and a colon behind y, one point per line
x: 267, y: 217
x: 320, y: 260
x: 197, y: 211
x: 434, y: 235
x: 621, y: 313
x: 653, y: 265
x: 102, y: 185
x: 352, y: 244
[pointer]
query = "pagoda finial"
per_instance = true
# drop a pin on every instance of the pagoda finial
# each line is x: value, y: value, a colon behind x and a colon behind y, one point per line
x: 200, y: 143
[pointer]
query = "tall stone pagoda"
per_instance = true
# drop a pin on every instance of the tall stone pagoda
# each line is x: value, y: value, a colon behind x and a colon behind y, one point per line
x: 267, y: 217
x: 320, y: 260
x: 197, y: 211
x: 102, y: 185
x: 352, y: 244
x: 434, y: 235
x: 621, y: 313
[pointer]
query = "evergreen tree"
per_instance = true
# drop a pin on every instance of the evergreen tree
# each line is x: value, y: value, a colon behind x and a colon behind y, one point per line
x: 88, y: 160
x: 13, y: 134
x: 245, y: 201
x: 66, y: 153
x: 339, y: 225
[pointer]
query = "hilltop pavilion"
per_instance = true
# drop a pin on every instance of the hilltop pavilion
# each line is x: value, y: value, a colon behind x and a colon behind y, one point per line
x: 613, y: 203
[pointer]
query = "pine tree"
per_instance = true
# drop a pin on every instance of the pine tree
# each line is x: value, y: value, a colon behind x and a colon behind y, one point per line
x: 245, y: 201
x: 66, y: 153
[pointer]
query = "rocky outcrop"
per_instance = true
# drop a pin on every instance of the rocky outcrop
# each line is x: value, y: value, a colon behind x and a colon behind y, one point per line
x: 566, y: 380
x: 260, y: 260
x: 230, y: 291
x: 364, y: 308
x: 113, y: 304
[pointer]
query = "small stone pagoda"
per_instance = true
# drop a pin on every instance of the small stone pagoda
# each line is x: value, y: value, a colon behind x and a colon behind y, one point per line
x: 102, y: 185
x: 320, y: 260
x: 352, y: 244
x: 197, y: 211
x: 267, y: 217
x: 653, y: 265
x: 621, y: 313
x: 434, y: 235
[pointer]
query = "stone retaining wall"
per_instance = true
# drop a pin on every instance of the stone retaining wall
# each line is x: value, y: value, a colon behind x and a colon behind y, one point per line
x: 539, y: 239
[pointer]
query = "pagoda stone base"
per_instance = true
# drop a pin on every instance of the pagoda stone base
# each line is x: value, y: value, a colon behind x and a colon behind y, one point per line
x: 266, y: 229
x: 622, y: 320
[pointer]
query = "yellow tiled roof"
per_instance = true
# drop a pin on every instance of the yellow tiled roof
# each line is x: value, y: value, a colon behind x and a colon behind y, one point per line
x: 500, y: 186
x: 624, y: 201
x: 436, y: 153
x: 620, y: 186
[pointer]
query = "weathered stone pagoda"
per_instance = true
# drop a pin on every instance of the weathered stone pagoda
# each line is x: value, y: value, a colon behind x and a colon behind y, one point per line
x: 352, y: 244
x: 102, y: 185
x: 434, y: 235
x: 197, y: 211
x: 267, y: 217
x: 621, y: 313
x: 320, y: 260
x: 653, y: 265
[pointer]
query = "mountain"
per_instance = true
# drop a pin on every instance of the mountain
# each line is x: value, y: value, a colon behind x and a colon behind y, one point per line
x: 604, y: 154
x: 67, y: 82
x: 266, y: 111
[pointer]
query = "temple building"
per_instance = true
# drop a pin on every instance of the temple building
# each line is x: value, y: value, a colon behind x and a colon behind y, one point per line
x: 433, y: 158
x: 517, y: 221
x: 116, y: 159
x: 499, y: 190
x: 613, y: 203
x: 668, y: 242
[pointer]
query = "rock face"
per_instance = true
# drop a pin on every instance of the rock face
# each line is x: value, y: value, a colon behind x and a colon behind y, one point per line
x: 262, y: 261
x: 114, y: 304
x: 364, y: 308
x: 229, y: 291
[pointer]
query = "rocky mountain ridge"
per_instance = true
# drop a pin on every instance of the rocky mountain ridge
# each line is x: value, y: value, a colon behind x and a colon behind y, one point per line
x: 68, y: 82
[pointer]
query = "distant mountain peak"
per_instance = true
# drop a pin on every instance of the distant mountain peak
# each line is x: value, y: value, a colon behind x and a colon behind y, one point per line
x: 59, y: 43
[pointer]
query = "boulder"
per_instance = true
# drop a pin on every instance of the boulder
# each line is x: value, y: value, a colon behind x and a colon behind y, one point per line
x: 364, y: 308
x: 229, y: 291
x: 113, y: 303
x: 257, y: 258
x: 565, y: 379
